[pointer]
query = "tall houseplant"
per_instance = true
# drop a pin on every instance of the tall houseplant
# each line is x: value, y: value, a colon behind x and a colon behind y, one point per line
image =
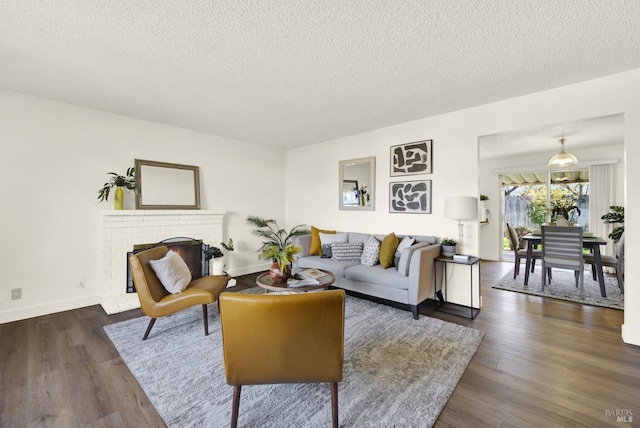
x: 277, y: 245
x: 615, y: 216
x: 127, y: 181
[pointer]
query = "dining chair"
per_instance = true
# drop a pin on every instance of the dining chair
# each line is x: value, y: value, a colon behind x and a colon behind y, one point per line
x: 520, y: 252
x: 616, y: 262
x: 562, y: 248
x: 156, y: 301
x: 270, y: 339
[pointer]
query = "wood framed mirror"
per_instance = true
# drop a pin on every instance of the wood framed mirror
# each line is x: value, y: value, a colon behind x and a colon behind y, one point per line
x: 357, y: 184
x: 167, y: 186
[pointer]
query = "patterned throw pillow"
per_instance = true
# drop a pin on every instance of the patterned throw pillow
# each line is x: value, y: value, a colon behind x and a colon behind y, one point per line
x: 326, y: 251
x: 370, y: 252
x: 346, y: 252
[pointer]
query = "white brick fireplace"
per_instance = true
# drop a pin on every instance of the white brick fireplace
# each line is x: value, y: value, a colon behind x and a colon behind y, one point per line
x: 121, y: 230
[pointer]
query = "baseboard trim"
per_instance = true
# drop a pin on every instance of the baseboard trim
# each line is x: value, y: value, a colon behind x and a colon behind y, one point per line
x: 27, y: 312
x: 630, y: 335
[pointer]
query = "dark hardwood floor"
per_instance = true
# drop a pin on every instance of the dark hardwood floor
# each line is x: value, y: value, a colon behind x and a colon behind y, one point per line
x: 543, y: 362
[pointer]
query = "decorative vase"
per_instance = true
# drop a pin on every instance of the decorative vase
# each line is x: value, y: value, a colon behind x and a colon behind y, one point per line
x: 561, y: 221
x: 216, y: 266
x: 362, y: 200
x: 277, y: 276
x: 118, y: 200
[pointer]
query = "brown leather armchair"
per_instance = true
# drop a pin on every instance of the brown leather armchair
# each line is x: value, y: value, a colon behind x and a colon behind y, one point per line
x: 296, y: 338
x: 156, y: 301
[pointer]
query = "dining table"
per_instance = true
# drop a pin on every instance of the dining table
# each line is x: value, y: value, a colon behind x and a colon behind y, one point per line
x: 593, y: 243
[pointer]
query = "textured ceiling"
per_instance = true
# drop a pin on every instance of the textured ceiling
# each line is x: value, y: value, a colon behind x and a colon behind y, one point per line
x: 287, y: 73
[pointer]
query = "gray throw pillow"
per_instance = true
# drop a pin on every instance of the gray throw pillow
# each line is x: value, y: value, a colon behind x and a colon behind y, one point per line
x: 346, y: 252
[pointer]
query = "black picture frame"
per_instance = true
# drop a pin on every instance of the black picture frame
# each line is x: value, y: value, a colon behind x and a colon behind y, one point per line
x: 410, y: 197
x: 411, y: 158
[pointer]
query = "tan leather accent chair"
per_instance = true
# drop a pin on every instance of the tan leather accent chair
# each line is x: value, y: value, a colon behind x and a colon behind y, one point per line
x: 156, y: 301
x: 296, y: 338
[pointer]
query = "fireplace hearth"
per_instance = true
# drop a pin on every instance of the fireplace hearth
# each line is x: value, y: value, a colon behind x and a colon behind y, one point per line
x: 191, y: 250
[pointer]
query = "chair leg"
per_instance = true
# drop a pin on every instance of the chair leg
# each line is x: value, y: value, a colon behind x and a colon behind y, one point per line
x: 236, y: 405
x: 533, y: 265
x: 205, y: 318
x: 620, y: 280
x: 544, y: 277
x: 334, y: 404
x: 593, y: 272
x: 149, y: 327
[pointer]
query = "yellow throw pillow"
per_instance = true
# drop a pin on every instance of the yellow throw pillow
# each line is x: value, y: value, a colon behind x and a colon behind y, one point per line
x: 315, y: 249
x: 388, y: 250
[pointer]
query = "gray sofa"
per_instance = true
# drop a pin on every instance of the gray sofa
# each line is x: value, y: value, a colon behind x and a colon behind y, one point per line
x: 410, y: 285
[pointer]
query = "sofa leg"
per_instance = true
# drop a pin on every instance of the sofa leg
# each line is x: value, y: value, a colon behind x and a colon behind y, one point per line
x: 414, y: 311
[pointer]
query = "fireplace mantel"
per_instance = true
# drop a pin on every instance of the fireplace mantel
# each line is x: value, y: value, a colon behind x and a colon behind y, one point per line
x: 120, y: 230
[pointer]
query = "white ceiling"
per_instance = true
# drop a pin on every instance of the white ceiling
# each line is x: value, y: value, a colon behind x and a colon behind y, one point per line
x: 579, y: 134
x: 287, y: 73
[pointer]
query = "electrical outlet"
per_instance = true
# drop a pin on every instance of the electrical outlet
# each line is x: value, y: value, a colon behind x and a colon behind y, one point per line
x: 16, y: 294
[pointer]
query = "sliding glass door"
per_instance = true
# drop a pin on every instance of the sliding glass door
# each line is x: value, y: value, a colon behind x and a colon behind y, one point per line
x: 533, y: 198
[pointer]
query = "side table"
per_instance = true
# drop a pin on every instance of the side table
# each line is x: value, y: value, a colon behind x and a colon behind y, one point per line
x: 471, y: 262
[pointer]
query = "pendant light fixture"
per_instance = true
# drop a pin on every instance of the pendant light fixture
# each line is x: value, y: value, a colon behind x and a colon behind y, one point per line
x: 563, y: 158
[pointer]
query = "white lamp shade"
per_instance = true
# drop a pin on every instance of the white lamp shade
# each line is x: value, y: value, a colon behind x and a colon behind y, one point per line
x: 461, y: 207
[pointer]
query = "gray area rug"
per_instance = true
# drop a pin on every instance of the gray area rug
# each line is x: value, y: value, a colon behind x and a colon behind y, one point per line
x: 563, y: 287
x: 398, y: 371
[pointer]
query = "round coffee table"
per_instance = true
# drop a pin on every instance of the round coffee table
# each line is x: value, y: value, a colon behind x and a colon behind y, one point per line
x: 264, y: 281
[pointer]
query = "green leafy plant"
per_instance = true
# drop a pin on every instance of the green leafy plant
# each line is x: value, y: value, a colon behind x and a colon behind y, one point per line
x: 448, y: 242
x: 278, y: 245
x: 215, y: 252
x: 615, y: 216
x: 565, y: 206
x: 522, y: 231
x: 538, y: 213
x: 484, y: 197
x: 128, y: 181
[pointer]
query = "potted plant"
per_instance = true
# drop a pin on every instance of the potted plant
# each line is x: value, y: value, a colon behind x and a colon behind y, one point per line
x: 482, y: 209
x: 538, y: 215
x: 615, y: 216
x: 118, y: 181
x: 448, y: 247
x: 278, y: 245
x: 216, y: 256
x: 564, y: 208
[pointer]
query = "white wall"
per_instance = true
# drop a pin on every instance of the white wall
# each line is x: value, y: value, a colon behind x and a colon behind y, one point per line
x: 54, y: 158
x: 312, y: 176
x: 489, y: 182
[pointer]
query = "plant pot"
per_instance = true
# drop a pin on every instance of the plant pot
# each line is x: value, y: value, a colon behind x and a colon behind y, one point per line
x: 216, y: 266
x: 448, y: 250
x: 277, y: 276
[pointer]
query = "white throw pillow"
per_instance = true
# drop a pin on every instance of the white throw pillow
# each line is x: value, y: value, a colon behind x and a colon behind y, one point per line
x: 371, y: 252
x: 332, y: 238
x: 172, y: 271
x: 406, y: 242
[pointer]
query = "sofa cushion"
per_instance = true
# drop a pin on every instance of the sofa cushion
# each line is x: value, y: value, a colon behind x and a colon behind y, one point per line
x: 370, y: 252
x: 377, y: 275
x: 346, y: 252
x: 405, y: 257
x: 388, y: 250
x: 336, y: 267
x: 406, y: 242
x: 332, y: 238
x: 315, y: 247
x: 358, y: 237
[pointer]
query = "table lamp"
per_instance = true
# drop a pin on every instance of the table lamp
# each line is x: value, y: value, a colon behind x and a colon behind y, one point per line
x: 461, y: 208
